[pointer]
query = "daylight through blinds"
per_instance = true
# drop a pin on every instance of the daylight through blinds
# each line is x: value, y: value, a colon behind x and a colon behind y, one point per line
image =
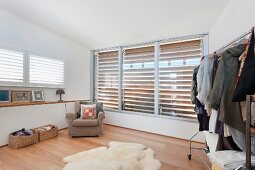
x: 176, y: 63
x: 11, y: 67
x: 107, y: 77
x: 138, y: 79
x: 46, y: 71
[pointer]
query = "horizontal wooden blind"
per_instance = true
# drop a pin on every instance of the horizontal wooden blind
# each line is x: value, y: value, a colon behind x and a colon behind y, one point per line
x: 107, y: 77
x: 176, y: 63
x: 138, y: 79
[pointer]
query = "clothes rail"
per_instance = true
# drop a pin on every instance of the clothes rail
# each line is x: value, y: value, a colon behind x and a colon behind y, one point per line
x: 235, y: 40
x: 248, y: 132
x: 248, y: 166
x: 249, y: 99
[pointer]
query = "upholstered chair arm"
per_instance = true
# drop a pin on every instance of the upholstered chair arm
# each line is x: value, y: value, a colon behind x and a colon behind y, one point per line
x: 101, y: 116
x: 70, y: 117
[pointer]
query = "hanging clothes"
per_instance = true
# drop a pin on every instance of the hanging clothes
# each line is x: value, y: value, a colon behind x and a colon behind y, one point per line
x: 215, y: 126
x: 214, y: 68
x: 246, y: 82
x: 239, y: 139
x: 243, y: 109
x: 202, y: 116
x: 204, y: 82
x: 223, y: 88
x: 212, y: 121
x: 194, y: 85
x: 200, y: 77
x: 225, y: 141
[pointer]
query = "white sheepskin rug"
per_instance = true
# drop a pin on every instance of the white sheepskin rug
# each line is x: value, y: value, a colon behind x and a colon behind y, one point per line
x: 119, y: 156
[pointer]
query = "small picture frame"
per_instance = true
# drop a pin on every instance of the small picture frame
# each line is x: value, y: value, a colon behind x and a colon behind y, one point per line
x: 21, y: 96
x: 5, y: 96
x: 37, y: 95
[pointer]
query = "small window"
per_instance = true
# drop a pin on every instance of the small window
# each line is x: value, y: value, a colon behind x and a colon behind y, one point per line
x: 12, y: 67
x: 46, y: 72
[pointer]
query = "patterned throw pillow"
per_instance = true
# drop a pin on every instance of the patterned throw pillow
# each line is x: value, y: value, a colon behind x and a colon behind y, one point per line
x: 88, y: 112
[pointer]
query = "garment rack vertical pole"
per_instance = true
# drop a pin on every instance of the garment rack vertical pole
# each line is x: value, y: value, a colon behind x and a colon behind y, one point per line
x: 248, y: 132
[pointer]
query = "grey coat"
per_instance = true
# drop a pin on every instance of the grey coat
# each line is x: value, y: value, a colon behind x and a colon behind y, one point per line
x: 224, y: 86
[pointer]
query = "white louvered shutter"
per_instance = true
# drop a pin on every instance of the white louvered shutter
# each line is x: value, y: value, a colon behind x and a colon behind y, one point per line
x: 138, y: 80
x: 107, y: 79
x: 46, y: 72
x: 176, y: 64
x: 11, y: 67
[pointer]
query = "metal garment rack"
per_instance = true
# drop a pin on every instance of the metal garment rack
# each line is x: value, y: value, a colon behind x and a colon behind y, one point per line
x: 248, y: 166
x: 194, y: 148
x: 235, y: 40
x: 249, y: 99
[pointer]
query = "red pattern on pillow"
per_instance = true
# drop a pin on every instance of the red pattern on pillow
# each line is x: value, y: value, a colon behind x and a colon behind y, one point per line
x: 88, y: 113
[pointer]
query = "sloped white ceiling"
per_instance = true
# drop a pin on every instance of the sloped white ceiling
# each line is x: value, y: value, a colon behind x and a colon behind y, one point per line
x: 106, y: 23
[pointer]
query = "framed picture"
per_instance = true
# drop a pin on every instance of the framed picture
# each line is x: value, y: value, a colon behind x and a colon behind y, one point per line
x: 5, y: 96
x: 38, y: 95
x: 21, y: 96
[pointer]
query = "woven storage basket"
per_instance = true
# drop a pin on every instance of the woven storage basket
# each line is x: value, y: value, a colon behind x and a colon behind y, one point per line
x: 22, y: 141
x: 47, y: 134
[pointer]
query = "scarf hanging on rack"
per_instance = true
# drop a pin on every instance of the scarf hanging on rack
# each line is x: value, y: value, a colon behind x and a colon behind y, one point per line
x: 246, y: 78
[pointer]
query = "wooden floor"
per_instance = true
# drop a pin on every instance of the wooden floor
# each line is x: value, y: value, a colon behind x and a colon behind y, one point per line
x: 47, y: 155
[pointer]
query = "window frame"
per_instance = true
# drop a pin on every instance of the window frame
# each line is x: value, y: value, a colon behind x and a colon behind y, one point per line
x: 204, y: 50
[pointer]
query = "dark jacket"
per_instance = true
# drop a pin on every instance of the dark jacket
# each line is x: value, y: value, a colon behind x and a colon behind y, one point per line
x: 246, y: 82
x: 224, y: 86
x: 194, y: 85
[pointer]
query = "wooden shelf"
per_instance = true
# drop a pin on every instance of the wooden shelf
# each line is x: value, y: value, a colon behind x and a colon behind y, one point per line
x: 12, y: 104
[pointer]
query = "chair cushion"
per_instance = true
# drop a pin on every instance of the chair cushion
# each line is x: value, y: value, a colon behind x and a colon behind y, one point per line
x: 85, y: 122
x: 99, y: 105
x: 88, y: 111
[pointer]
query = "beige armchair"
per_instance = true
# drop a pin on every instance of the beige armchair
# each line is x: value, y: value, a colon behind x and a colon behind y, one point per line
x: 85, y: 127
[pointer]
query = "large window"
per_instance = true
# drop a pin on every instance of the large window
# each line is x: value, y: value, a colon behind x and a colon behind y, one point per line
x: 151, y: 79
x: 138, y: 79
x: 176, y: 63
x: 11, y: 67
x: 46, y: 71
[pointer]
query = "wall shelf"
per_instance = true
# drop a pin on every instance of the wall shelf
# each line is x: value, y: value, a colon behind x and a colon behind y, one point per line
x: 12, y: 104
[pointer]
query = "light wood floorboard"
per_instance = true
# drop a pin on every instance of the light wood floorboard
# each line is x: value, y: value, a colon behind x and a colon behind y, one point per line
x: 47, y: 155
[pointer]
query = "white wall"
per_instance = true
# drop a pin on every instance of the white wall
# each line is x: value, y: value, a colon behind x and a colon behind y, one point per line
x: 159, y: 125
x: 15, y: 118
x: 236, y: 19
x: 18, y: 33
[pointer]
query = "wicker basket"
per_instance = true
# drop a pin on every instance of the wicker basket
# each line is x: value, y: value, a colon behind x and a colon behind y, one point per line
x: 47, y: 134
x: 22, y: 141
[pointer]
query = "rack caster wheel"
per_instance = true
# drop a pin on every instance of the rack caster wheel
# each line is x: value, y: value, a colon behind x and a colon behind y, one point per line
x: 189, y: 156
